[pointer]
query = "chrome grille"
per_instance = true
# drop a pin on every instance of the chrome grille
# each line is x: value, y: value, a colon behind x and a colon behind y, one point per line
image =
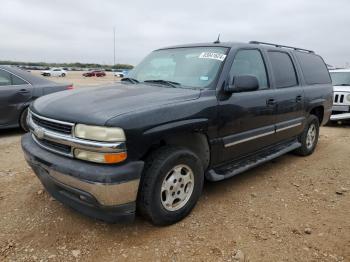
x: 52, y: 125
x: 45, y: 124
x: 56, y: 146
x: 58, y: 137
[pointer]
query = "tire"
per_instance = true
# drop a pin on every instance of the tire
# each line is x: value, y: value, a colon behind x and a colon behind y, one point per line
x: 23, y: 120
x: 307, y: 140
x: 159, y: 173
x: 63, y: 75
x: 48, y: 75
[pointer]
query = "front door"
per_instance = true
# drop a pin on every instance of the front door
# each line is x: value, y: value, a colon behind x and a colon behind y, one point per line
x: 247, y: 120
x: 14, y: 93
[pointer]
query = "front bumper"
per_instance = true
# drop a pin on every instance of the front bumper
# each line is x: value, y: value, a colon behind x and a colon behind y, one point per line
x: 337, y: 117
x: 106, y: 192
x: 340, y: 112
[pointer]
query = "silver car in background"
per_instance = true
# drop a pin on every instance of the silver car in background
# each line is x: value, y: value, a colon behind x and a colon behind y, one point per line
x: 341, y: 94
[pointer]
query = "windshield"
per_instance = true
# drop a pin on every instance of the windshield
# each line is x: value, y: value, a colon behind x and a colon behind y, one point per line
x: 192, y: 67
x: 340, y: 78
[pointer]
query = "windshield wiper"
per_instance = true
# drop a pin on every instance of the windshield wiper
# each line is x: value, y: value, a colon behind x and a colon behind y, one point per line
x: 131, y: 80
x: 161, y: 81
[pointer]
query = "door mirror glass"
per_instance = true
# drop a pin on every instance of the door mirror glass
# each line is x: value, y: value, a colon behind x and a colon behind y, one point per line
x: 243, y: 83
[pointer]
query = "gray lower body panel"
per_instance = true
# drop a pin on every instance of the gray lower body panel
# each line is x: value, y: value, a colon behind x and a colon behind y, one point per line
x: 238, y: 167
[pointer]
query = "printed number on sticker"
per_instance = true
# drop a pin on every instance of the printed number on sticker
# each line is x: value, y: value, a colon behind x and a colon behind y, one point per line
x: 209, y: 55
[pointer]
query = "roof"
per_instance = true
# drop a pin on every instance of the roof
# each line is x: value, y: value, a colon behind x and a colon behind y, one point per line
x: 256, y: 44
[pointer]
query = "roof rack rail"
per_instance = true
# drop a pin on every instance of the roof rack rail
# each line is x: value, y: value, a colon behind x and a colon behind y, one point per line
x: 282, y: 46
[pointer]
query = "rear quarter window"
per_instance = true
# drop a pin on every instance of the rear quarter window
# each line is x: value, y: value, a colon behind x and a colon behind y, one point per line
x: 314, y: 69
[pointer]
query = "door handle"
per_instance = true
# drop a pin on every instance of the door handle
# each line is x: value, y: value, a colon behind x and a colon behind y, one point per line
x: 299, y: 98
x: 23, y: 91
x: 270, y: 102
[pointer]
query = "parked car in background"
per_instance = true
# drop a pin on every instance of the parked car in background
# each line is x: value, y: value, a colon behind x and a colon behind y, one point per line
x: 121, y: 72
x: 341, y: 94
x: 97, y: 73
x: 18, y: 89
x: 54, y: 72
x: 184, y: 114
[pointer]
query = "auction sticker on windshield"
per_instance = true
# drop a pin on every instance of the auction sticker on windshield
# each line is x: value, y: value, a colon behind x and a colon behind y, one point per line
x: 209, y: 55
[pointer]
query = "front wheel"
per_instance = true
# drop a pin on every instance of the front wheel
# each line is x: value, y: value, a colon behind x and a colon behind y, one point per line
x: 309, y: 137
x: 171, y: 185
x: 63, y: 75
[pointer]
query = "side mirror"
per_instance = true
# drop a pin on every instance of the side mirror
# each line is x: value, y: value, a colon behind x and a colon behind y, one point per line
x: 243, y: 83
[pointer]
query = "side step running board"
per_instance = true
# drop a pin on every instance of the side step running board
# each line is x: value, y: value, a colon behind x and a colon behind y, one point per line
x: 236, y: 168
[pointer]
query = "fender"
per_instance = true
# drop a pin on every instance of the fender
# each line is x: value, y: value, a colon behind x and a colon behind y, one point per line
x: 316, y: 102
x: 198, y: 124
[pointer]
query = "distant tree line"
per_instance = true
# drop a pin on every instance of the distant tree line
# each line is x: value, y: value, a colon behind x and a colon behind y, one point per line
x: 67, y: 65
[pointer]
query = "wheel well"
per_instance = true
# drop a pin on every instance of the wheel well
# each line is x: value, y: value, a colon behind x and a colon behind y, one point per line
x: 319, y: 112
x: 196, y: 142
x: 22, y: 111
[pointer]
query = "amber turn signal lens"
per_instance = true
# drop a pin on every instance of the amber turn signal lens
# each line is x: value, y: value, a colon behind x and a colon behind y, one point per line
x: 115, y: 158
x: 97, y: 157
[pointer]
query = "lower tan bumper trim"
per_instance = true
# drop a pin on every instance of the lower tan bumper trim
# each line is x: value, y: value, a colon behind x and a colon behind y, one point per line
x: 106, y: 194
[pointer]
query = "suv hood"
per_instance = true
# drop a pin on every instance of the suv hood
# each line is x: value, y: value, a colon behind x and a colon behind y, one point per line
x: 341, y: 88
x: 97, y: 105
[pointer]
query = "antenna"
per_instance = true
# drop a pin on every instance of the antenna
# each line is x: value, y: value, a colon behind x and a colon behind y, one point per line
x: 217, y: 41
x: 113, y: 45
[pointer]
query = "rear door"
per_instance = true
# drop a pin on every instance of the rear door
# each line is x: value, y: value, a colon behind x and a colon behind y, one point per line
x: 289, y: 95
x: 247, y: 119
x: 14, y: 94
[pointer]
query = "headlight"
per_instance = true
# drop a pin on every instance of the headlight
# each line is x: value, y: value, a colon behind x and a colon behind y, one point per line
x: 348, y: 97
x: 99, y: 133
x: 97, y: 157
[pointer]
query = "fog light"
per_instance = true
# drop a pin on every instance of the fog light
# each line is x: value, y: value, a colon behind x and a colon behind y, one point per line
x: 107, y: 158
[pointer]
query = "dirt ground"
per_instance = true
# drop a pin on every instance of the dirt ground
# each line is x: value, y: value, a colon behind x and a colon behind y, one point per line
x: 291, y: 209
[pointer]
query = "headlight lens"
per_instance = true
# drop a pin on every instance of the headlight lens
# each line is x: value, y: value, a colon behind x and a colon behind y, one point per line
x: 99, y: 133
x: 106, y: 158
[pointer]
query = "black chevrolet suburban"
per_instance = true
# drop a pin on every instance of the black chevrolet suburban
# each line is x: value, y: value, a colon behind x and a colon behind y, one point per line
x: 184, y: 114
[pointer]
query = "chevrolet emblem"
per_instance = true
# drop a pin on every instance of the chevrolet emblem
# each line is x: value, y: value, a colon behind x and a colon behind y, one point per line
x: 39, y: 132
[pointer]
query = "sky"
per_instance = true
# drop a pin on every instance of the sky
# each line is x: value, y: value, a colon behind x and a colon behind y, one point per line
x: 82, y: 30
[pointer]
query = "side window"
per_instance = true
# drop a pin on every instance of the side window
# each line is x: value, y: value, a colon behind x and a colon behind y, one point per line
x: 17, y: 81
x: 250, y: 62
x: 283, y: 69
x: 314, y: 69
x: 5, y: 78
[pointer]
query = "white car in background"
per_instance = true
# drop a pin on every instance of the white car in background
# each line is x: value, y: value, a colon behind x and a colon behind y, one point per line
x: 341, y: 94
x: 54, y: 72
x: 121, y: 72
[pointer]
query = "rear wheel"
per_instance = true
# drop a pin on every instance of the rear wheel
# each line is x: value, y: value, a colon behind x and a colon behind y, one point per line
x: 171, y: 185
x: 23, y: 120
x: 309, y: 137
x: 63, y: 75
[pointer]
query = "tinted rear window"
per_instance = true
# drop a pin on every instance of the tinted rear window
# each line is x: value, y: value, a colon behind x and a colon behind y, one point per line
x: 314, y: 69
x: 283, y: 69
